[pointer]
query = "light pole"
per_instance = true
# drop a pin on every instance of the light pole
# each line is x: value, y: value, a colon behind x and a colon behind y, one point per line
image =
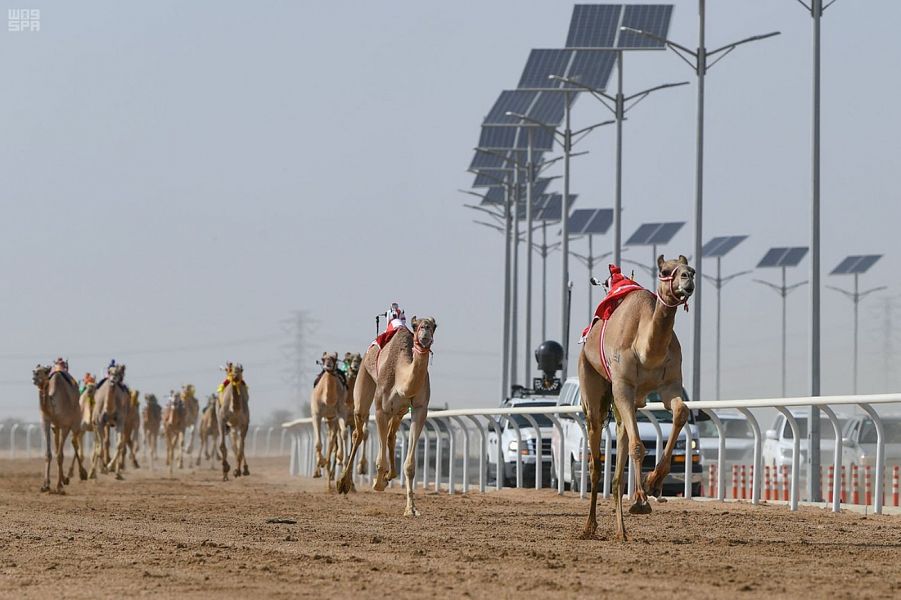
x: 590, y: 222
x: 717, y: 248
x: 698, y: 61
x: 856, y: 265
x: 782, y: 258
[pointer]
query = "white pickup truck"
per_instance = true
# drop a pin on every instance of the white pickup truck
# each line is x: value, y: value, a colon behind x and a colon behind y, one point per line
x: 572, y: 445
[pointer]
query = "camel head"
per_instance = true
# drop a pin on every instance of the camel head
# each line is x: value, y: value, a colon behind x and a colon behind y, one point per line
x: 677, y: 280
x: 352, y: 362
x: 117, y: 374
x: 150, y: 399
x: 135, y: 397
x: 329, y: 361
x: 187, y: 391
x: 424, y: 331
x: 40, y: 376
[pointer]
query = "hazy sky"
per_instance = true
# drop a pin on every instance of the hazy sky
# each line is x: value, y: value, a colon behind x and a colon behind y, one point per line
x: 178, y: 177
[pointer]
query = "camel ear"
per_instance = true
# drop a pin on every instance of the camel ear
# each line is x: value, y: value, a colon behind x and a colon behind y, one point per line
x: 660, y: 263
x: 415, y: 322
x: 347, y: 356
x: 683, y: 260
x: 434, y: 325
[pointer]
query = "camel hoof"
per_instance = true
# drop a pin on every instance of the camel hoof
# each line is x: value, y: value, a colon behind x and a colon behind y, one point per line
x: 119, y: 477
x: 134, y: 464
x: 237, y: 473
x: 82, y: 474
x: 361, y: 468
x: 60, y: 491
x: 317, y: 474
x: 640, y: 508
x: 344, y: 485
x: 411, y: 512
x: 246, y: 471
x: 661, y: 499
x: 379, y: 484
x: 65, y: 481
x: 45, y: 487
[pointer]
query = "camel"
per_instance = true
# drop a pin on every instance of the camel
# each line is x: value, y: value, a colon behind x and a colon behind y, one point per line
x: 233, y: 415
x: 327, y: 402
x: 192, y: 411
x: 58, y: 397
x: 642, y: 355
x: 209, y: 428
x: 396, y: 377
x: 111, y: 410
x: 152, y: 416
x: 86, y: 409
x: 352, y: 362
x: 174, y: 424
x: 134, y: 428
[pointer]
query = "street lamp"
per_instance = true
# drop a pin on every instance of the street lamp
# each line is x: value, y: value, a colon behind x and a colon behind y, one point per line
x: 856, y: 265
x: 698, y: 61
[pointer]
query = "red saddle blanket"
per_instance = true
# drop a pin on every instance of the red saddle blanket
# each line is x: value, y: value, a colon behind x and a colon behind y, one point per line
x: 382, y: 340
x: 620, y: 287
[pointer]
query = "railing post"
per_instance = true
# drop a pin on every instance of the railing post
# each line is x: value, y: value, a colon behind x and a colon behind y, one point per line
x: 539, y: 452
x: 583, y: 482
x: 556, y: 422
x: 292, y: 462
x: 256, y: 434
x: 269, y: 441
x: 658, y: 433
x: 836, y: 458
x: 686, y: 489
x: 452, y: 448
x: 796, y: 457
x: 437, y: 428
x: 28, y: 430
x: 281, y: 442
x: 483, y: 452
x: 518, y: 433
x: 720, y: 455
x: 880, y: 457
x: 12, y: 440
x: 466, y: 451
x: 499, y: 471
x: 758, y: 454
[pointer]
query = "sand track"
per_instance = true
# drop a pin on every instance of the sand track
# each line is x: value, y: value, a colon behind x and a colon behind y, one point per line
x: 195, y: 536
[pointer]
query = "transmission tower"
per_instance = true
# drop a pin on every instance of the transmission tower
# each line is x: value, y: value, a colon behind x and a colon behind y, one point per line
x: 300, y: 368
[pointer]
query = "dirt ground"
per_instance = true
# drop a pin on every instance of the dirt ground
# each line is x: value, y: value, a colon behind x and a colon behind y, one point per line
x: 195, y: 536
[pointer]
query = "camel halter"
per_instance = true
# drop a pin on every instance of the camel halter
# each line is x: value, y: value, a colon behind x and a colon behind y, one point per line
x: 418, y: 348
x: 671, y: 278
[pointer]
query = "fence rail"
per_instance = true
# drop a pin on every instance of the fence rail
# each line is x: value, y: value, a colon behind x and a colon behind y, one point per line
x: 479, y: 421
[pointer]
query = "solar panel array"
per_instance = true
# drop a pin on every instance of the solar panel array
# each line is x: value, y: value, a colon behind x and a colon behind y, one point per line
x: 551, y: 210
x: 590, y: 221
x: 598, y: 26
x: 783, y: 257
x: 497, y: 195
x: 489, y: 179
x: 514, y: 138
x: 654, y: 234
x: 720, y: 246
x: 590, y: 67
x: 855, y: 265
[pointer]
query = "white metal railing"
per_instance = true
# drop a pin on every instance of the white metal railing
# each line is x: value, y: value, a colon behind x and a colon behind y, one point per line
x: 484, y: 419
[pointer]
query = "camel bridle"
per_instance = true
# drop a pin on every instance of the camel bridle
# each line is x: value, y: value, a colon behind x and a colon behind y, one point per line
x: 671, y: 278
x: 418, y: 348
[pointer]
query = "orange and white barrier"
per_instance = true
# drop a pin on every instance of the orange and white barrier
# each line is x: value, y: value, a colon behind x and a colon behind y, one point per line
x: 744, y: 478
x: 855, y: 485
x: 844, y: 486
x: 766, y: 482
x: 868, y: 484
x: 711, y: 481
x: 896, y: 486
x: 786, y: 483
x: 734, y: 482
x: 831, y: 482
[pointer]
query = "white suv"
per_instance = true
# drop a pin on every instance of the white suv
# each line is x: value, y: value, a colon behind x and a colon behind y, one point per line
x: 779, y: 443
x: 527, y: 447
x: 572, y: 444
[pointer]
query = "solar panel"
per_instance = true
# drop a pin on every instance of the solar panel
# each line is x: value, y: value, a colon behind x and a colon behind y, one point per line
x: 488, y: 161
x: 642, y: 234
x: 782, y: 257
x: 551, y: 210
x: 653, y: 18
x: 516, y: 101
x: 855, y: 265
x: 591, y: 68
x: 665, y: 233
x: 720, y: 246
x: 484, y: 180
x: 579, y: 219
x: 600, y: 223
x: 548, y: 108
x: 598, y: 26
x: 503, y: 138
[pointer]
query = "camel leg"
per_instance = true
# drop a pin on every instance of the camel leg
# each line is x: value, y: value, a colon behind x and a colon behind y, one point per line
x: 345, y: 483
x: 132, y: 442
x: 119, y: 460
x: 622, y: 441
x: 624, y: 397
x: 75, y: 458
x: 243, y: 457
x: 595, y: 392
x: 79, y: 456
x: 672, y: 399
x: 59, y: 440
x: 364, y: 391
x: 317, y: 434
x: 95, y: 454
x: 223, y: 452
x: 382, y: 465
x: 417, y: 422
x: 331, y: 452
x: 45, y: 486
x: 393, y: 426
x: 362, y: 466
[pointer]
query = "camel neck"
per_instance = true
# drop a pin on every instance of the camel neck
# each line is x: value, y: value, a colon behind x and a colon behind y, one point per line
x: 412, y: 375
x: 660, y: 332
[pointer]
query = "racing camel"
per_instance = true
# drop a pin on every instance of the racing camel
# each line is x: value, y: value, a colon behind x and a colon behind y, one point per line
x: 58, y: 397
x: 396, y: 377
x: 352, y: 362
x: 327, y: 402
x: 631, y: 352
x: 192, y: 411
x: 233, y: 415
x: 174, y: 424
x: 152, y: 417
x: 134, y: 428
x: 86, y: 408
x: 111, y: 408
x: 209, y: 428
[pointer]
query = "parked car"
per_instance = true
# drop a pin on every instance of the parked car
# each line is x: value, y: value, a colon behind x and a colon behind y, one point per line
x: 739, y: 439
x: 572, y: 444
x: 527, y: 448
x: 859, y: 441
x: 777, y: 448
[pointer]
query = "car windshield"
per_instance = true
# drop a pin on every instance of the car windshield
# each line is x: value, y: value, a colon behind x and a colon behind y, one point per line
x: 826, y: 431
x: 662, y: 416
x: 734, y: 428
x: 892, y: 432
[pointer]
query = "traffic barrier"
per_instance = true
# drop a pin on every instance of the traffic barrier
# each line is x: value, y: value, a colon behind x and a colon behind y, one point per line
x: 868, y: 485
x: 744, y: 488
x: 786, y: 484
x: 844, y: 485
x: 855, y: 484
x: 896, y: 486
x: 831, y: 481
x: 711, y: 481
x: 767, y: 484
x: 735, y: 482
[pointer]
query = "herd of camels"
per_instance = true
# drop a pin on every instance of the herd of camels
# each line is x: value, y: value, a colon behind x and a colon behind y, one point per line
x: 627, y: 353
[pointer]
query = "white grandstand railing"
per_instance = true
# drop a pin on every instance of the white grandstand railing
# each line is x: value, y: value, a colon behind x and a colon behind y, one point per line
x: 302, y: 444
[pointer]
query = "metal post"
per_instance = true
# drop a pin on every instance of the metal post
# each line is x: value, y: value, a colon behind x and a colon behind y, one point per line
x: 530, y: 179
x: 505, y: 376
x: 590, y: 274
x: 813, y: 456
x: 543, y: 280
x: 514, y: 298
x: 719, y: 291
x: 618, y: 200
x: 856, y: 299
x: 564, y: 227
x: 699, y: 213
x: 654, y: 265
x: 784, y: 325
